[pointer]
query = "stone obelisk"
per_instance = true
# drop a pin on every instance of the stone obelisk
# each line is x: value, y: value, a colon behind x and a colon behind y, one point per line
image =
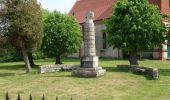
x: 89, y: 62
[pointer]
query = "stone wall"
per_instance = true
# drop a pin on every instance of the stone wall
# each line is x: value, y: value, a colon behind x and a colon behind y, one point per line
x: 152, y: 72
x: 55, y: 68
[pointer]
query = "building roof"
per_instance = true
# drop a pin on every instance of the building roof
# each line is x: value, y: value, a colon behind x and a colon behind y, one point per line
x: 103, y: 8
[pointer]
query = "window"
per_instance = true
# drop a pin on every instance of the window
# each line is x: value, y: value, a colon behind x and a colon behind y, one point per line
x: 104, y: 41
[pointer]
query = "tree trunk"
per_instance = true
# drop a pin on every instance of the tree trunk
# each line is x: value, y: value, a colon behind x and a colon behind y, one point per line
x: 118, y: 53
x: 26, y: 60
x: 30, y: 57
x: 133, y: 58
x: 58, y: 59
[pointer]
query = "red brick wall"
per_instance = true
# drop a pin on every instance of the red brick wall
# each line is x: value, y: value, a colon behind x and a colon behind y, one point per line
x: 164, y: 5
x: 156, y: 2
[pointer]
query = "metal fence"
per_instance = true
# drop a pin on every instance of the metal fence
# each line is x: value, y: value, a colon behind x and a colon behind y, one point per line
x: 30, y: 97
x: 66, y: 97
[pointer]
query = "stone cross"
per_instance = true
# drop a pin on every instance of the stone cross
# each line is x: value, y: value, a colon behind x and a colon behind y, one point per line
x: 89, y: 15
x: 89, y: 62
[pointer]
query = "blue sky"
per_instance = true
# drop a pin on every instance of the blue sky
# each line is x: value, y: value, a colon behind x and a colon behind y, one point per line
x: 63, y: 6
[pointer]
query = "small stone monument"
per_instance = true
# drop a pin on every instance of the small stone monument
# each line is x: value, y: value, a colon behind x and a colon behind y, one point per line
x: 89, y: 62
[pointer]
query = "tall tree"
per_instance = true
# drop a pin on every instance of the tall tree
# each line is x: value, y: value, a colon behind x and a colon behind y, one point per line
x: 3, y: 45
x: 136, y: 26
x: 3, y: 39
x: 24, y: 28
x: 45, y: 13
x: 30, y: 58
x: 62, y: 35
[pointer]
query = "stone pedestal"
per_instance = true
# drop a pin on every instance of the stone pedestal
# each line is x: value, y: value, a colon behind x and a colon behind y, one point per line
x: 89, y: 62
x: 89, y: 68
x: 89, y: 72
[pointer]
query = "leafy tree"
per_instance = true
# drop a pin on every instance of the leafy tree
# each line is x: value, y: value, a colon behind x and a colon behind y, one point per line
x: 168, y: 27
x: 45, y: 12
x: 61, y: 35
x: 136, y: 26
x: 2, y: 45
x: 3, y: 39
x: 24, y: 29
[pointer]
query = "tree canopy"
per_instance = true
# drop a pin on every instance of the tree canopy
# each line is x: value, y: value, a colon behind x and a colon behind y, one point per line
x: 24, y: 28
x: 62, y: 35
x: 136, y: 26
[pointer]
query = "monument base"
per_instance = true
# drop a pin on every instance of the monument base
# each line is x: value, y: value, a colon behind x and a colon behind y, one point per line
x: 88, y: 72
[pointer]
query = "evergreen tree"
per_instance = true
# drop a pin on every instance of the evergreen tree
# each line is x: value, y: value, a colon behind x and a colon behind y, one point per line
x: 24, y: 29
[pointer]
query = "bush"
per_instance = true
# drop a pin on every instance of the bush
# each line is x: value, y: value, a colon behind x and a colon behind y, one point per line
x: 12, y: 57
x: 38, y: 55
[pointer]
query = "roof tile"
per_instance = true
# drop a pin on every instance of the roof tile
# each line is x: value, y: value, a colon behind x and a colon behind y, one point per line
x: 103, y: 8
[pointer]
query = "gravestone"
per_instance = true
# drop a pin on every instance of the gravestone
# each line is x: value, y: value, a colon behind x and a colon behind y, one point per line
x: 89, y: 62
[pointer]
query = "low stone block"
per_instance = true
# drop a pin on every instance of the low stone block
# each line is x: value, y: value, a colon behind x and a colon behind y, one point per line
x: 49, y: 68
x: 88, y: 72
x: 153, y: 72
x: 139, y: 70
x: 55, y: 68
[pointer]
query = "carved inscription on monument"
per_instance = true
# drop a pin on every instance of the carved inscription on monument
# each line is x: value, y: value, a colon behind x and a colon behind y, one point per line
x: 89, y: 36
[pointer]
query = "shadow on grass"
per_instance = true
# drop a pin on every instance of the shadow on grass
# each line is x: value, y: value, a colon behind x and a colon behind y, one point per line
x: 114, y: 69
x: 58, y: 76
x: 16, y: 67
x: 35, y: 66
x: 116, y: 59
x: 6, y: 74
x: 111, y: 59
x: 148, y: 77
x: 164, y: 72
x: 12, y: 67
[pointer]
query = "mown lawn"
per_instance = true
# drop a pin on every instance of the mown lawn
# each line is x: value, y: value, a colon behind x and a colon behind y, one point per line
x: 115, y: 85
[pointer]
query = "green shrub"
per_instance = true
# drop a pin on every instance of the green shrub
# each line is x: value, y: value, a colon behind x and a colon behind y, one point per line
x: 38, y: 55
x: 12, y: 57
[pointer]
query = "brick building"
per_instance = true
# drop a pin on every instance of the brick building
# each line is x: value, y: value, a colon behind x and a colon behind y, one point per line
x: 102, y: 10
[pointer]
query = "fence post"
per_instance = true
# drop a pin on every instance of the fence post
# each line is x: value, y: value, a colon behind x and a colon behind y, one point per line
x: 7, y: 97
x: 56, y: 98
x: 30, y: 97
x: 43, y: 97
x: 71, y: 98
x: 18, y: 97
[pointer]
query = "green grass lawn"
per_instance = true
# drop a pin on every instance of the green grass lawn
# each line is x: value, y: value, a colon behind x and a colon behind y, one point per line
x: 115, y: 85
